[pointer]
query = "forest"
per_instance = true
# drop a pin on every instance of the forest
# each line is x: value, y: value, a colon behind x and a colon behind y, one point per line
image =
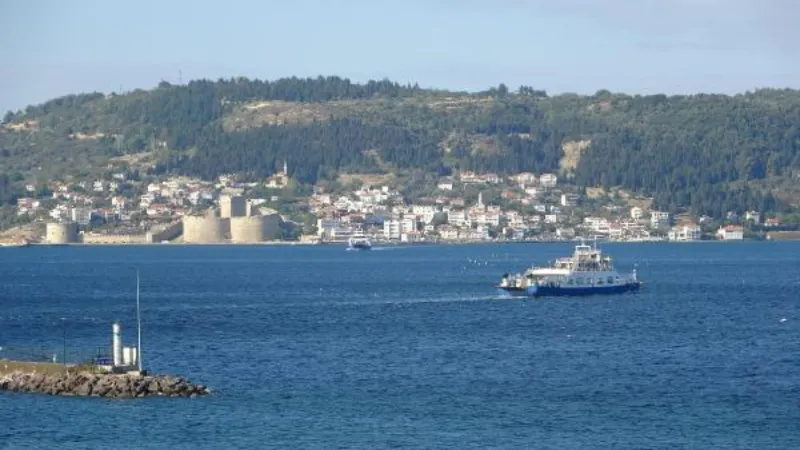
x: 709, y: 153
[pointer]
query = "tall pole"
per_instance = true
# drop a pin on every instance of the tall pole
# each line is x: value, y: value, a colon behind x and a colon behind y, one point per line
x: 64, y: 347
x: 138, y: 326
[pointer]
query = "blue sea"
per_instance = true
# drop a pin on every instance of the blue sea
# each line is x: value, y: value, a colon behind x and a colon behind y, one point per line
x: 412, y: 347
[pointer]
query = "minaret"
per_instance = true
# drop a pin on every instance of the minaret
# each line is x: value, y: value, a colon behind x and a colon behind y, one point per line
x: 480, y: 199
x: 285, y: 169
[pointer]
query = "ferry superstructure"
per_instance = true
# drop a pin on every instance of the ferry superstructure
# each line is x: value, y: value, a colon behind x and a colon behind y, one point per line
x: 586, y: 272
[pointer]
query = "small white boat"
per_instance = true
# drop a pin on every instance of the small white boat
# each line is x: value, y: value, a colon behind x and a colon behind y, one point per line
x: 359, y: 242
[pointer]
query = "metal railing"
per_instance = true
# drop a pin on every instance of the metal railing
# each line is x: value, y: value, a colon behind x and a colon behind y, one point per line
x: 54, y: 354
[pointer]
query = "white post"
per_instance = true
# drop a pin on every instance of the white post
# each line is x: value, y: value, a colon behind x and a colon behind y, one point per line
x: 116, y: 346
x: 139, y: 327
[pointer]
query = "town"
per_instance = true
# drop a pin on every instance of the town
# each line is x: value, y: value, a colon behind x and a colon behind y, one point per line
x: 465, y: 207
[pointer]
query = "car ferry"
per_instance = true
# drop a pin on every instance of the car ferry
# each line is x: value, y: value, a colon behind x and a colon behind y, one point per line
x: 586, y: 272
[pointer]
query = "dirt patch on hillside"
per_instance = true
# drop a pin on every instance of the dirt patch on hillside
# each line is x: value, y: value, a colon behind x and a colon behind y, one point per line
x: 370, y: 179
x: 595, y: 192
x: 629, y: 198
x: 277, y: 112
x: 448, y: 104
x: 87, y: 136
x: 635, y: 200
x: 31, y: 233
x: 572, y: 153
x: 135, y: 159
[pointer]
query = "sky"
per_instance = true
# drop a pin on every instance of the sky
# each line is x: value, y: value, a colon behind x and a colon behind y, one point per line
x: 52, y: 48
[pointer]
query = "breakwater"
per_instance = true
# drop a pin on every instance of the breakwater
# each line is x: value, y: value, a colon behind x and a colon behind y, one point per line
x: 87, y: 384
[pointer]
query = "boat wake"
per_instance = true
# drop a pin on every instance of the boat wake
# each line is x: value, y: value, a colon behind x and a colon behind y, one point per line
x: 404, y: 301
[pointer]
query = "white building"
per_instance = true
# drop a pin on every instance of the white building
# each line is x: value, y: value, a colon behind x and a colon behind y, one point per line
x: 548, y: 180
x: 731, y: 233
x: 445, y: 185
x: 525, y: 179
x: 448, y: 232
x: 685, y: 233
x: 569, y: 199
x: 659, y: 219
x: 391, y: 229
x: 82, y: 216
x: 394, y: 229
x: 327, y: 227
x: 565, y: 233
x: 458, y: 218
x: 424, y: 213
x: 411, y: 236
x: 636, y: 213
x: 753, y: 216
x: 597, y: 224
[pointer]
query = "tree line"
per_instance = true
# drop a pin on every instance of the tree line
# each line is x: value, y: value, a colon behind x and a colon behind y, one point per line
x: 704, y: 152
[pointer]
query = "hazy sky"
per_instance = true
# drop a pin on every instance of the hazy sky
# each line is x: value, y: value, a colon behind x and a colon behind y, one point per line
x: 54, y: 47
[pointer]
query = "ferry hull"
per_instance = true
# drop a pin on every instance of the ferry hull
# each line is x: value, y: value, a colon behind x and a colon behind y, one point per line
x: 360, y: 247
x: 548, y: 291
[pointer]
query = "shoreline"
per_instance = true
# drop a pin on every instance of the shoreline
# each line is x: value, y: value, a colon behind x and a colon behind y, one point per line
x: 375, y: 244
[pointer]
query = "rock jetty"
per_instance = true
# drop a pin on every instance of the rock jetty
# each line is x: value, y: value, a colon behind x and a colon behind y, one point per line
x: 100, y: 385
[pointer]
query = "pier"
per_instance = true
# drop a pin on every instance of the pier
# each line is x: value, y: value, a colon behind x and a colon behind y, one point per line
x: 117, y: 374
x: 56, y: 379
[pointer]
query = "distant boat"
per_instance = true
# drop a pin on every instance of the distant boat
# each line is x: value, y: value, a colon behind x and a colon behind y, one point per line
x: 359, y: 242
x: 586, y: 272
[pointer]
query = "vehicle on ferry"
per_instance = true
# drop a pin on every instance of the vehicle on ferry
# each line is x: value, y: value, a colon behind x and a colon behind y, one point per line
x: 588, y: 271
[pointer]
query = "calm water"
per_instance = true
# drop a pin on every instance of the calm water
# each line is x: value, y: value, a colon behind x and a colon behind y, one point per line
x: 411, y: 347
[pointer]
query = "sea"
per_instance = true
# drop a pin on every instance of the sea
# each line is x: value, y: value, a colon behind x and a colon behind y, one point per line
x: 316, y: 347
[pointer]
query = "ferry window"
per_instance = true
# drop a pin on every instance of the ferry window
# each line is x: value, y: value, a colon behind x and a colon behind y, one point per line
x: 579, y: 281
x: 571, y: 281
x: 599, y: 281
x: 610, y: 280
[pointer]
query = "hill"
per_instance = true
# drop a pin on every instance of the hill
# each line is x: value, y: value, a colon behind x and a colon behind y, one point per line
x: 710, y: 153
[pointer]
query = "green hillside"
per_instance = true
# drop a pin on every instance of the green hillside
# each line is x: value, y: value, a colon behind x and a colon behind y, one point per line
x: 712, y: 153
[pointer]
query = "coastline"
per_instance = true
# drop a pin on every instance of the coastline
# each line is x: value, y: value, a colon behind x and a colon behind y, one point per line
x: 377, y: 243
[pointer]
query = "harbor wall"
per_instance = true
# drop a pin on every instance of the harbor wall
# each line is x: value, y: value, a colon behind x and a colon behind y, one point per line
x: 114, y: 239
x: 56, y: 379
x: 783, y: 235
x: 169, y: 233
